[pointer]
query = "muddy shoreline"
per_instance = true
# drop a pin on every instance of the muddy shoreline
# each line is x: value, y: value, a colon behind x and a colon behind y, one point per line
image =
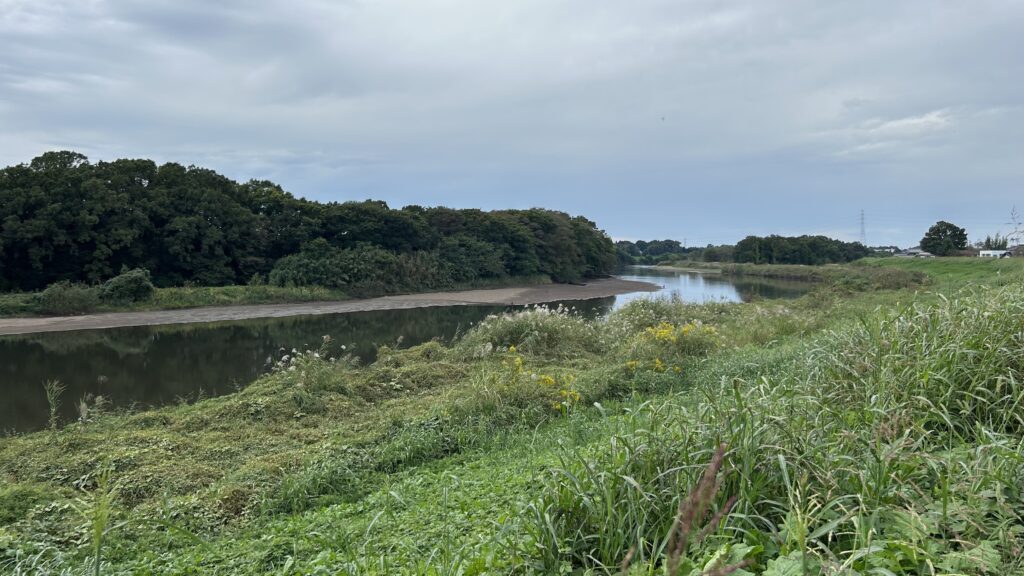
x: 537, y: 294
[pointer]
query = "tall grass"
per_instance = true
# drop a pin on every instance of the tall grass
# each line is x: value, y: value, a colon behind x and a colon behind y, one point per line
x: 893, y: 446
x: 97, y: 510
x: 53, y: 389
x: 554, y: 333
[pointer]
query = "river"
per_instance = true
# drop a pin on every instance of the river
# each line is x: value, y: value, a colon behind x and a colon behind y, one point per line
x: 149, y: 366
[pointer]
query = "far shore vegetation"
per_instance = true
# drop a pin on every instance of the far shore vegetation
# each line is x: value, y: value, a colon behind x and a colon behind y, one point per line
x: 78, y: 237
x: 70, y: 299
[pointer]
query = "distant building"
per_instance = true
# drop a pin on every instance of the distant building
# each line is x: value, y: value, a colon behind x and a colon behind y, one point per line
x: 995, y: 254
x: 914, y: 253
x: 886, y: 249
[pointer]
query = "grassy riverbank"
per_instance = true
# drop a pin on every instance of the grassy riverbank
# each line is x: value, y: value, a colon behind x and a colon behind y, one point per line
x: 29, y: 303
x: 870, y: 428
x: 878, y: 273
x: 955, y: 271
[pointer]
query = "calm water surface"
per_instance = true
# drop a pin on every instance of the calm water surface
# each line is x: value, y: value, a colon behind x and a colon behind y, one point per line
x: 696, y: 287
x: 155, y: 365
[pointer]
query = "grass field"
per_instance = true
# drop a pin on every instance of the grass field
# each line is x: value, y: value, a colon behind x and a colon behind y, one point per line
x: 867, y: 428
x: 955, y: 271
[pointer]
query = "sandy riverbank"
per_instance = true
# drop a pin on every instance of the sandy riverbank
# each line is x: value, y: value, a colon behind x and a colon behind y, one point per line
x: 499, y: 296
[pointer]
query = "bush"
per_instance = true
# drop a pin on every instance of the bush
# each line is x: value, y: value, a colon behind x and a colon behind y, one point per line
x: 67, y: 298
x: 129, y: 286
x: 549, y: 332
x: 644, y: 313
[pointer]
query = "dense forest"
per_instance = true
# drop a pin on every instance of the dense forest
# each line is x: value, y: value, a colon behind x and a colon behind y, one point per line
x: 797, y: 250
x: 63, y: 218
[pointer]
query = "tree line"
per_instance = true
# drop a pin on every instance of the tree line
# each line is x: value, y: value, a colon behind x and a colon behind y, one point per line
x: 650, y: 251
x: 63, y: 218
x: 805, y: 249
x: 753, y: 249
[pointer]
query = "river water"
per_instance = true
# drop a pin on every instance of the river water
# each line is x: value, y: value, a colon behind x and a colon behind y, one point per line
x: 149, y: 366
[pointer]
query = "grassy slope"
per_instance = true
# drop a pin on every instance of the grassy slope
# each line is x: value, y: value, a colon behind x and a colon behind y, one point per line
x: 439, y: 458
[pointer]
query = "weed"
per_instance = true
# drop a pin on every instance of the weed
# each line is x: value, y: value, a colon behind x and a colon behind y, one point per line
x: 96, y: 508
x: 53, y: 389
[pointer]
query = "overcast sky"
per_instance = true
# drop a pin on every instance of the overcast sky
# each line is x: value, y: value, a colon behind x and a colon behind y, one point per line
x: 704, y: 120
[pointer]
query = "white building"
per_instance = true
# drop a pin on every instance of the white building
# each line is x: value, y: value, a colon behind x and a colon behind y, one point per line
x: 915, y: 253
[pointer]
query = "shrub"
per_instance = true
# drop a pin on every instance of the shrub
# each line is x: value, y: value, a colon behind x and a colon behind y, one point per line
x: 67, y: 298
x: 129, y: 286
x: 643, y: 313
x: 549, y: 332
x: 647, y: 312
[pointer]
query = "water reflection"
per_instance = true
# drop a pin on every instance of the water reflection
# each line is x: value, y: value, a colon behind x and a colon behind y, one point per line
x: 698, y: 287
x: 155, y: 365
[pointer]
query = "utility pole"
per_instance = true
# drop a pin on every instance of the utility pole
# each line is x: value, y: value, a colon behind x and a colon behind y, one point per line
x: 863, y: 230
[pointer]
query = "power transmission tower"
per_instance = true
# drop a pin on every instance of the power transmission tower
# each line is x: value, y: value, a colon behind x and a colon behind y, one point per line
x: 863, y: 230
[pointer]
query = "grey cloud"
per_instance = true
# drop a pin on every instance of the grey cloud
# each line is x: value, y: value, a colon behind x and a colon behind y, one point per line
x: 657, y: 118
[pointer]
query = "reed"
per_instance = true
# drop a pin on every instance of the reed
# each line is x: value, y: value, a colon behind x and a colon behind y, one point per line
x: 54, y: 389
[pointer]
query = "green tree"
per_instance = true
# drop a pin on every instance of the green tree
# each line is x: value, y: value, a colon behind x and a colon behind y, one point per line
x: 723, y: 253
x: 64, y: 219
x: 998, y: 242
x: 944, y: 238
x: 813, y: 250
